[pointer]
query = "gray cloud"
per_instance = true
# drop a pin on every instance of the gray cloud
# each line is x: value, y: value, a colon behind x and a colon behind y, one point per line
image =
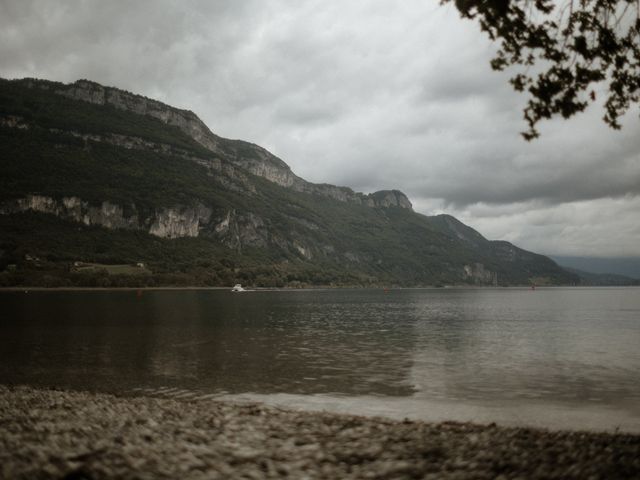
x: 576, y: 228
x: 371, y: 94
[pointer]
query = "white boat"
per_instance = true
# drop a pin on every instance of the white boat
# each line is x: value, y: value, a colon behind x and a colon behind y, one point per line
x: 238, y: 288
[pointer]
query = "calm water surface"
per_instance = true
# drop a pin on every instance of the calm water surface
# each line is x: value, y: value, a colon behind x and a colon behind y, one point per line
x: 551, y: 357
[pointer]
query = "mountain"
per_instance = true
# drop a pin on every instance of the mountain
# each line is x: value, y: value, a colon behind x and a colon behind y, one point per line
x: 625, y: 266
x: 99, y: 186
x: 603, y: 279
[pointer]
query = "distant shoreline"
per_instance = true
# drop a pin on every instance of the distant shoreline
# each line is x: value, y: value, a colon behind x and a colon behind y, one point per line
x: 64, y: 434
x: 301, y: 289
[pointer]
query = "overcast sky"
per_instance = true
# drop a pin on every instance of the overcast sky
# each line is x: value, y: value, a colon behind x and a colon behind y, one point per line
x: 371, y: 94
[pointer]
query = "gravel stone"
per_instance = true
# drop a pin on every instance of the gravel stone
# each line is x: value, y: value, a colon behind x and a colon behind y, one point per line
x: 51, y: 434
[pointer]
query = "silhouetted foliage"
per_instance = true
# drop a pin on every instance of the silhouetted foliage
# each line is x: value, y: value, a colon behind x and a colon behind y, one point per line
x: 563, y: 49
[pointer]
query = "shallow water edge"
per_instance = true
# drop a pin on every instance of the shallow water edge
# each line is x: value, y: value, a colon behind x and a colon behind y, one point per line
x: 64, y: 434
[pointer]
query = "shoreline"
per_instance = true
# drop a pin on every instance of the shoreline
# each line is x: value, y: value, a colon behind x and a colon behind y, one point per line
x: 541, y: 416
x: 304, y: 289
x: 57, y: 434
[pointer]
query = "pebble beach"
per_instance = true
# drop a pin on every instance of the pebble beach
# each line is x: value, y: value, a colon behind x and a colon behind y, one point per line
x: 47, y: 434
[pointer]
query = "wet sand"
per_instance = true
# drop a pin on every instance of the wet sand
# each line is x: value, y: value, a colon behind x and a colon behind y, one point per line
x: 58, y: 434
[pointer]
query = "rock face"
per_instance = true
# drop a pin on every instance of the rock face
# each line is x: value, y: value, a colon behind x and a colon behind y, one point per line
x: 106, y: 215
x: 390, y: 198
x: 233, y: 229
x: 185, y: 120
x: 13, y: 121
x: 248, y: 156
x: 237, y: 230
x: 165, y: 223
x: 478, y: 274
x: 173, y: 222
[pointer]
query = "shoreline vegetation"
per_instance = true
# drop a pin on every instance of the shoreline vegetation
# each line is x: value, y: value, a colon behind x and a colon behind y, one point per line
x: 28, y: 289
x: 64, y: 434
x: 102, y: 280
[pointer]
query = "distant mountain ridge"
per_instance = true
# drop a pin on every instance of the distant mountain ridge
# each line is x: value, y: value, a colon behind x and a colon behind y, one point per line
x: 96, y: 174
x: 248, y: 156
x: 603, y: 279
x: 626, y: 266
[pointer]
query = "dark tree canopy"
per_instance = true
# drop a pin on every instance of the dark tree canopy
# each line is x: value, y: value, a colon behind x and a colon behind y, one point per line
x: 563, y: 48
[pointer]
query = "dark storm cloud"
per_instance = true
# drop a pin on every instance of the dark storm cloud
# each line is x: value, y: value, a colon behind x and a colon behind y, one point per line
x: 371, y: 94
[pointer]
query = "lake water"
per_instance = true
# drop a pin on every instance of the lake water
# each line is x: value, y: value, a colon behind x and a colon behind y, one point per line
x: 553, y: 357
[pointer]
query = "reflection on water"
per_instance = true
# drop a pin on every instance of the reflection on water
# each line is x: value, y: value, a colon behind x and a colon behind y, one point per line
x: 490, y: 347
x: 556, y: 344
x: 300, y: 342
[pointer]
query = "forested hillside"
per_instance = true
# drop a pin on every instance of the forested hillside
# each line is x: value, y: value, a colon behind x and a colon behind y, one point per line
x: 92, y: 177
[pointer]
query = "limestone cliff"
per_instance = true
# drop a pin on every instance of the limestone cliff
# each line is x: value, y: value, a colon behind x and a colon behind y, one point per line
x: 477, y: 273
x: 233, y: 229
x: 185, y: 120
x: 72, y: 208
x: 165, y: 223
x: 390, y: 198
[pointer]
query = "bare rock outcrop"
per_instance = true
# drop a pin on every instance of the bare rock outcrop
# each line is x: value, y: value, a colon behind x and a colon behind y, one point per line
x: 165, y: 223
x: 185, y: 120
x: 180, y: 222
x: 479, y: 274
x: 107, y: 214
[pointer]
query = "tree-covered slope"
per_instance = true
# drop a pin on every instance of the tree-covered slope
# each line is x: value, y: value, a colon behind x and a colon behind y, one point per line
x: 90, y: 174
